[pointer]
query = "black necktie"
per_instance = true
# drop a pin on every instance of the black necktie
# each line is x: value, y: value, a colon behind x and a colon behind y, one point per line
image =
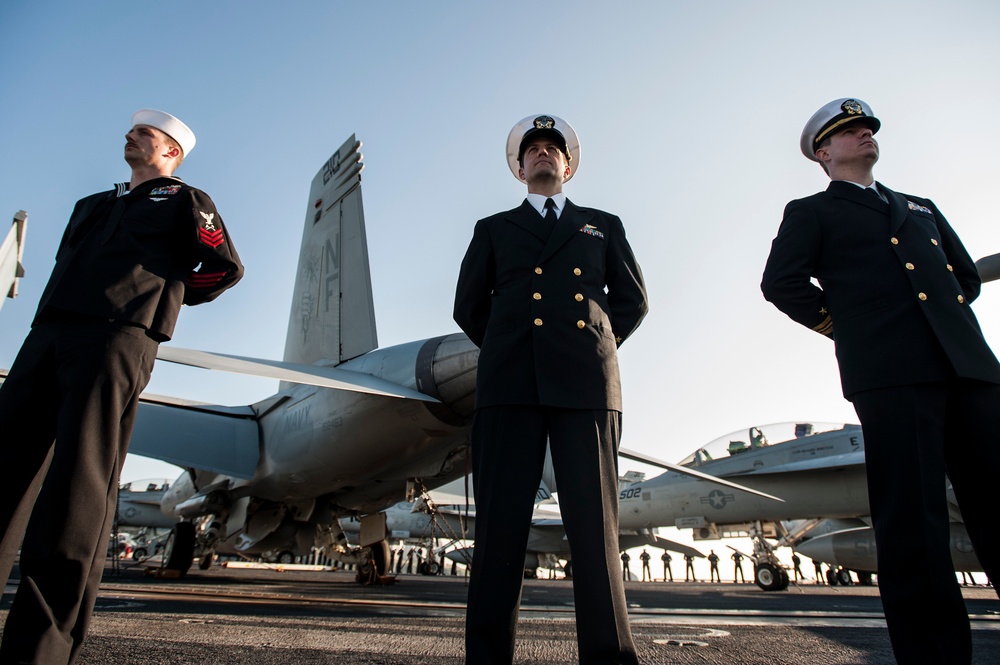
x: 550, y: 212
x: 874, y: 192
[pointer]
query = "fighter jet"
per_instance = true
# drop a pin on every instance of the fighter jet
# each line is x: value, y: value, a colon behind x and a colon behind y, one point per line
x: 11, y: 255
x: 139, y: 504
x: 429, y: 519
x: 853, y: 550
x: 818, y: 469
x: 352, y: 430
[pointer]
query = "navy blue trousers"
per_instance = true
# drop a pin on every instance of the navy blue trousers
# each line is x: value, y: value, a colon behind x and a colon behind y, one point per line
x: 66, y: 412
x: 508, y: 455
x: 913, y: 436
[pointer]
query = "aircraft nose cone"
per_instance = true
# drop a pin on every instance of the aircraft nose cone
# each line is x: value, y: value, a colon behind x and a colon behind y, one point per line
x: 446, y: 369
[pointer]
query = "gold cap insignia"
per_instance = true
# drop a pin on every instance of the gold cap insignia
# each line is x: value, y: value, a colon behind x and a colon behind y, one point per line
x: 544, y: 122
x: 852, y: 107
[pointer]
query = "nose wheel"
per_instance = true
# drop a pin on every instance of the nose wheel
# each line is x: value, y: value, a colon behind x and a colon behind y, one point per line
x: 770, y: 577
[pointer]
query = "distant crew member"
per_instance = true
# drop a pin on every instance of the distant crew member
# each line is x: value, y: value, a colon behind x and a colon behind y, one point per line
x: 646, y: 574
x: 626, y: 573
x: 797, y: 567
x: 689, y: 568
x: 548, y: 291
x: 818, y: 565
x: 129, y: 258
x: 894, y: 291
x: 738, y: 567
x: 713, y: 560
x: 667, y: 572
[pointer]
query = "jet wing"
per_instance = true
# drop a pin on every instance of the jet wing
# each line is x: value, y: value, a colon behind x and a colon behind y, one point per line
x: 627, y: 540
x: 215, y: 438
x: 989, y: 267
x: 676, y: 468
x: 314, y: 375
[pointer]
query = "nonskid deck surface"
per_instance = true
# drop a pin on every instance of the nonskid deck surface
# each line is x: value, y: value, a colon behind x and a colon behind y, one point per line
x: 282, y: 616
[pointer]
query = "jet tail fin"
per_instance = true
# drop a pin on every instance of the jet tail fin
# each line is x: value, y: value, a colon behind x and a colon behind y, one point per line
x: 333, y: 313
x: 11, y: 255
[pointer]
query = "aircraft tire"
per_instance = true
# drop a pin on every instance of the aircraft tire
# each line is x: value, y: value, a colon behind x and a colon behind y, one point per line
x: 844, y: 577
x: 205, y: 562
x: 286, y: 557
x: 865, y: 579
x: 430, y: 568
x: 785, y: 580
x: 831, y: 577
x: 768, y: 577
x: 139, y: 553
x: 179, y: 551
x: 568, y: 570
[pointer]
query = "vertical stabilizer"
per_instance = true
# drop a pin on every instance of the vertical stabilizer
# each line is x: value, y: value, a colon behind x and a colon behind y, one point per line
x: 333, y: 315
x: 11, y: 255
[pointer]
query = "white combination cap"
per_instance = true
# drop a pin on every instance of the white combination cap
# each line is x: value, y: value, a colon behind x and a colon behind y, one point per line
x: 535, y: 125
x: 167, y: 124
x: 831, y: 117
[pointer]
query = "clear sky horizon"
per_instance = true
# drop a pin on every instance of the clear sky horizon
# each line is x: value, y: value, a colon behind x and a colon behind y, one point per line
x: 689, y: 116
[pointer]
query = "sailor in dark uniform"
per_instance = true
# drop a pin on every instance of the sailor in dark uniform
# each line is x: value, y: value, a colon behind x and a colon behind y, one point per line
x: 548, y: 291
x: 895, y: 289
x: 128, y: 259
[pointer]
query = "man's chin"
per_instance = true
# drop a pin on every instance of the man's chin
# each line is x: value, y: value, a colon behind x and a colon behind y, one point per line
x: 544, y: 180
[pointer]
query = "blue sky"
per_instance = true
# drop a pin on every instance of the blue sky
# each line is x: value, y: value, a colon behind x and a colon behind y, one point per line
x: 689, y: 116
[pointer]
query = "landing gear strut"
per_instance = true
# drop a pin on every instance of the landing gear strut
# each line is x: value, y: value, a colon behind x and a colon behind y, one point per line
x: 373, y: 563
x: 769, y: 574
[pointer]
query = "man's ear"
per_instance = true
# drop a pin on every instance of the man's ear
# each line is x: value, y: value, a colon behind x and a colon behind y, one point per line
x: 173, y: 152
x: 567, y: 172
x: 823, y: 155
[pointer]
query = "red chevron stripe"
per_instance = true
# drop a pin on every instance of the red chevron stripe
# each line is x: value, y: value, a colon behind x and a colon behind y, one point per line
x: 206, y: 279
x: 211, y: 238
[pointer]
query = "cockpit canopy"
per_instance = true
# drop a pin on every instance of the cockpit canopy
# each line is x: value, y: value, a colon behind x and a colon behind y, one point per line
x: 755, y: 438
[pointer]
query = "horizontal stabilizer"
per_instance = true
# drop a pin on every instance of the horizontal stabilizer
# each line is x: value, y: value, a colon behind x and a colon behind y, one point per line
x: 206, y: 437
x: 646, y: 459
x: 313, y: 375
